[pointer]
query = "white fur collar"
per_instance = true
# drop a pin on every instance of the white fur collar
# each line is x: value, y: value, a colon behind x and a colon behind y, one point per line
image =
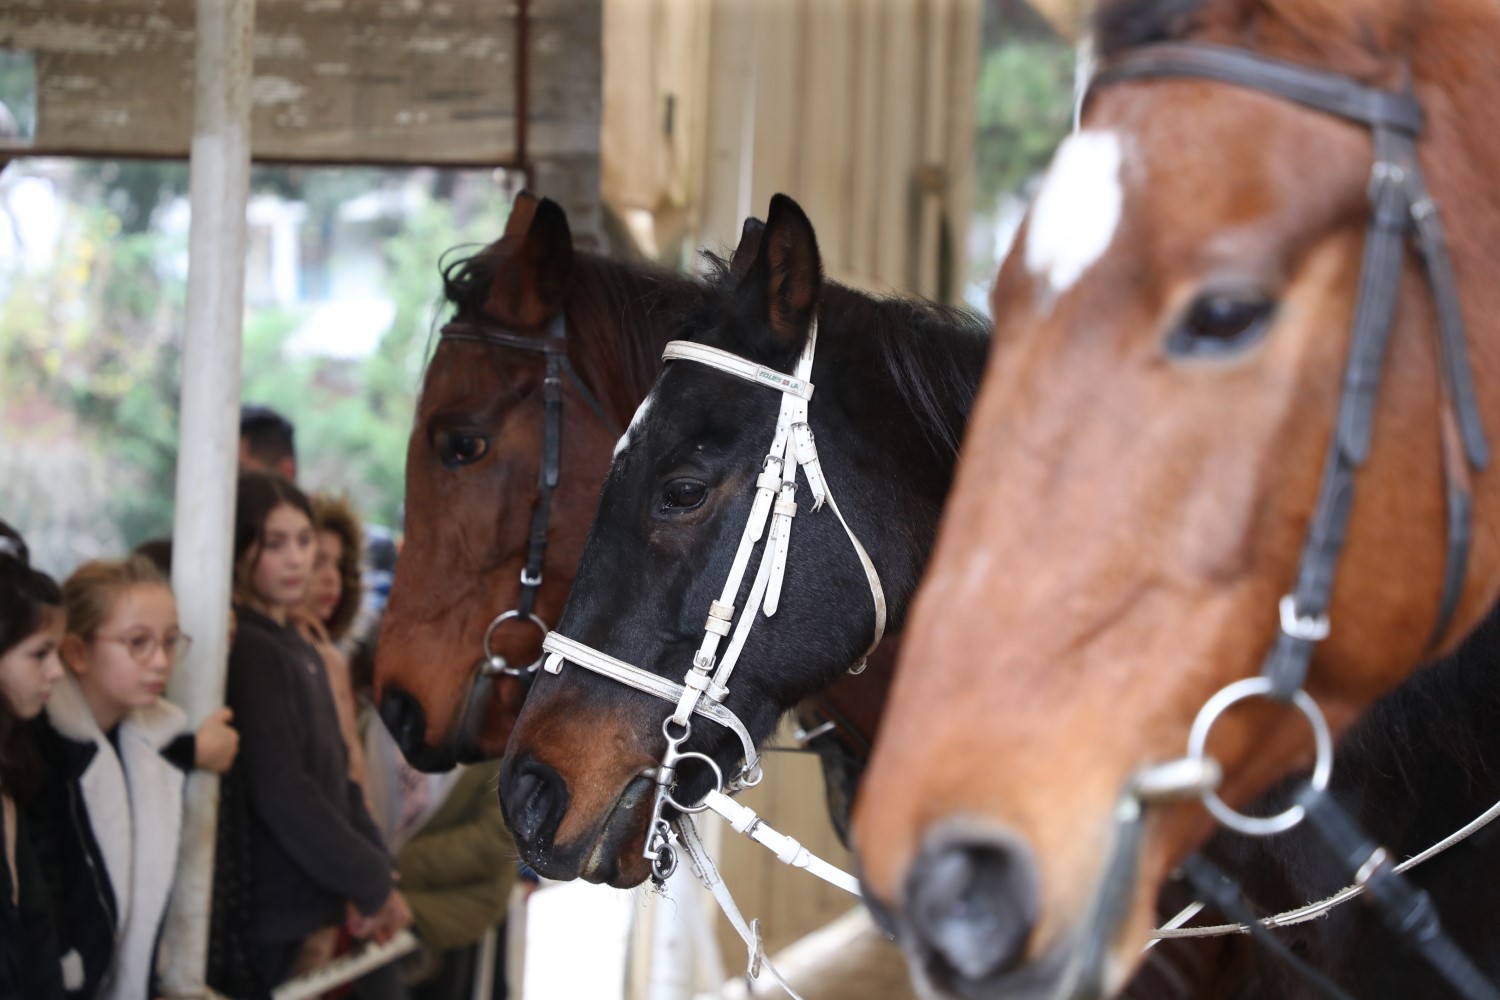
x: 134, y: 804
x: 70, y: 715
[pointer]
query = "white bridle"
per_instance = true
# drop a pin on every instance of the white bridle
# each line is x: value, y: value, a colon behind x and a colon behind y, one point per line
x: 706, y: 685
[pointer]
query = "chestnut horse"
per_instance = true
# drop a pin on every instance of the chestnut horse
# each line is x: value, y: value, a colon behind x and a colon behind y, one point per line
x: 472, y: 472
x: 1143, y: 468
x: 894, y: 380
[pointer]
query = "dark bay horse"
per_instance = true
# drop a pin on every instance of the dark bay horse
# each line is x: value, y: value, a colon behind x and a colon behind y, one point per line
x: 472, y: 471
x: 893, y: 383
x: 1146, y: 456
x: 1422, y: 763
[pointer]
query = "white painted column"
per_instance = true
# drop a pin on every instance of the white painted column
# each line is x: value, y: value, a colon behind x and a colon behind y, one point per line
x: 208, y: 442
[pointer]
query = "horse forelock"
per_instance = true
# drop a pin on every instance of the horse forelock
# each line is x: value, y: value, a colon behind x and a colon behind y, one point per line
x: 932, y: 355
x: 620, y: 316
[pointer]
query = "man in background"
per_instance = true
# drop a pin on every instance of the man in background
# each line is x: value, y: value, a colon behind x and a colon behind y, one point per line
x: 267, y: 442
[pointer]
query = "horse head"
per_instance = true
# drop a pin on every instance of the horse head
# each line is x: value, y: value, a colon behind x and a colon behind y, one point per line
x: 546, y: 351
x: 1173, y: 327
x: 688, y: 476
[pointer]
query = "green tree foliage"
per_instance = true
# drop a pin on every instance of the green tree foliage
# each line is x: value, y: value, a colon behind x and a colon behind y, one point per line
x: 353, y: 419
x: 1025, y: 108
x: 94, y: 337
x: 97, y: 335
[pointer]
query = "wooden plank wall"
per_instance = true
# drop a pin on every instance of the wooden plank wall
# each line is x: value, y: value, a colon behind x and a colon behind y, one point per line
x: 338, y: 81
x: 862, y: 111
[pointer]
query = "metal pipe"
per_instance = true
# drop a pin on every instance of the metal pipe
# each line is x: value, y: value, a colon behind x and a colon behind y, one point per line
x: 208, y: 449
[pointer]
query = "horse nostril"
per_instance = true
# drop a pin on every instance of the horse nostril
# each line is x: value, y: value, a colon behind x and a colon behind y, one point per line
x: 534, y: 800
x: 403, y: 716
x: 971, y: 906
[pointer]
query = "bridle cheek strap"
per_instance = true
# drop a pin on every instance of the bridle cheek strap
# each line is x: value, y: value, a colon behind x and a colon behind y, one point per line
x: 553, y: 347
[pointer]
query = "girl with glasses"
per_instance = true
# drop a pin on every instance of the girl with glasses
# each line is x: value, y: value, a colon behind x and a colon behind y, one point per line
x: 109, y: 815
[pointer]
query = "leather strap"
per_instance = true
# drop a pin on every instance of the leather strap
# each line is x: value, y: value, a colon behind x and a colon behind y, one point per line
x: 559, y: 649
x: 1317, y: 89
x: 788, y: 850
x: 1400, y: 202
x: 733, y: 364
x: 554, y: 347
x: 1406, y: 909
x: 1212, y: 885
x: 707, y: 873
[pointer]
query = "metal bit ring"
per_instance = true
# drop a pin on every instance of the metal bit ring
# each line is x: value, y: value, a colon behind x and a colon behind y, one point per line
x: 494, y: 664
x: 1259, y: 687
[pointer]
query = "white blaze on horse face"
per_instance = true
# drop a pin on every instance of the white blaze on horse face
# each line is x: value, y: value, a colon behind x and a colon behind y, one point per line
x: 1074, y: 217
x: 635, y: 421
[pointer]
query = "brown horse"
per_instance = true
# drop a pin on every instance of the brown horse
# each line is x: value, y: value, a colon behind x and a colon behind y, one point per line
x: 472, y: 472
x: 1142, y: 467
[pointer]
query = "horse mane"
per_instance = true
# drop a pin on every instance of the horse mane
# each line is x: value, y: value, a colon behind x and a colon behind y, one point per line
x: 1354, y: 37
x: 933, y: 354
x: 620, y: 316
x: 1439, y: 719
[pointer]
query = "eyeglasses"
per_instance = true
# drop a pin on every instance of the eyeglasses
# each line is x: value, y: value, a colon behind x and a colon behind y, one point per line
x: 142, y: 646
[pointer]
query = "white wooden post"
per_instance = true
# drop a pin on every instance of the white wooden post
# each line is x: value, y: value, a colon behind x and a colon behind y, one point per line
x: 208, y: 442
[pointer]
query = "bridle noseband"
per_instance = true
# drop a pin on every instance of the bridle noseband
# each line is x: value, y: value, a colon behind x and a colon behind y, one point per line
x: 1400, y: 205
x: 553, y: 346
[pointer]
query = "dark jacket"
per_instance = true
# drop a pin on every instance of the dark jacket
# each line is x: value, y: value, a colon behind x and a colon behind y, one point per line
x: 105, y: 827
x: 28, y: 932
x: 458, y: 869
x: 313, y: 844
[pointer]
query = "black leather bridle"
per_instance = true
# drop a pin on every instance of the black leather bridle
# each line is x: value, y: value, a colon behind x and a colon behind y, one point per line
x: 1401, y: 207
x: 553, y: 347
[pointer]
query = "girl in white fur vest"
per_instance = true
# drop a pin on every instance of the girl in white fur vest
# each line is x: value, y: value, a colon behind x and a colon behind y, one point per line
x: 109, y: 816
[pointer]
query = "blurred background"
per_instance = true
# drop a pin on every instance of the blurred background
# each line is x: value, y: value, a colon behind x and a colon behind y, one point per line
x: 703, y: 110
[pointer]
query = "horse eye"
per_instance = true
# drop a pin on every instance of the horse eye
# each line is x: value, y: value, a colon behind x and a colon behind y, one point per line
x: 1218, y: 324
x: 683, y: 494
x: 457, y: 448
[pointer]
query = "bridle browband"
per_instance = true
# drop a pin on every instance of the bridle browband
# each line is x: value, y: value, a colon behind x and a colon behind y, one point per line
x: 705, y: 687
x: 553, y: 346
x: 1400, y: 205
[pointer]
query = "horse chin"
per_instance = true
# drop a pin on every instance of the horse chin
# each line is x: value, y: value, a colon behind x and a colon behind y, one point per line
x: 614, y: 858
x: 1041, y: 979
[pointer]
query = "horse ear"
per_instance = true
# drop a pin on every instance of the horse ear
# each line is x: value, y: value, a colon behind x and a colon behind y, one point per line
x: 532, y: 282
x: 784, y: 282
x: 749, y: 248
x: 522, y: 211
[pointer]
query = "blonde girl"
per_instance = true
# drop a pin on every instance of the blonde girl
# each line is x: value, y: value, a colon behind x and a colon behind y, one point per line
x: 110, y: 811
